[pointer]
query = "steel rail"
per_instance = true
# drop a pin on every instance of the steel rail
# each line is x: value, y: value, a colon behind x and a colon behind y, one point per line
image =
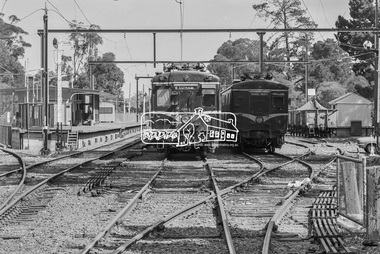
x: 222, y: 213
x: 163, y: 222
x: 22, y: 180
x: 123, y: 212
x: 276, y: 218
x: 62, y: 157
x: 192, y: 207
x: 37, y: 186
x: 280, y: 213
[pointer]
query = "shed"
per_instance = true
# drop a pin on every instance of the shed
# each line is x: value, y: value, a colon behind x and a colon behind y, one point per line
x: 353, y: 115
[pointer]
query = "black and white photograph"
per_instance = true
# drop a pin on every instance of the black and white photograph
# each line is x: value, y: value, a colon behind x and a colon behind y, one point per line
x: 189, y: 126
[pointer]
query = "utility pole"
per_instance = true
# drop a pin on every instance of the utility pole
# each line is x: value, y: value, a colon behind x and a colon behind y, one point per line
x: 261, y: 55
x: 137, y: 94
x: 129, y: 99
x: 57, y: 46
x: 45, y: 129
x: 306, y: 69
x: 376, y: 90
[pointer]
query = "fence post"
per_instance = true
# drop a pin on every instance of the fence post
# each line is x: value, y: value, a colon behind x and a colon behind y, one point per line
x: 373, y: 202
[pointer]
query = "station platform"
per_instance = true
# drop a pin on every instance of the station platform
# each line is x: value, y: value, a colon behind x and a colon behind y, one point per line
x: 71, y: 137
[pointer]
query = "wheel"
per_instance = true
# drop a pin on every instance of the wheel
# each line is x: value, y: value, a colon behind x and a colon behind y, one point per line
x: 167, y: 152
x: 203, y: 152
x: 369, y: 147
x: 271, y: 148
x: 242, y: 147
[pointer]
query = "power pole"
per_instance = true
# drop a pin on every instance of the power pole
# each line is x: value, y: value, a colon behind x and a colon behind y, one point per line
x: 261, y: 55
x: 45, y: 79
x: 376, y: 89
x: 306, y: 69
x: 137, y: 94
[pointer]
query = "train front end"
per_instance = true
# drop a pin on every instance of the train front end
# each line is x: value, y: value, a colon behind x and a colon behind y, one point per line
x: 261, y: 108
x: 182, y: 100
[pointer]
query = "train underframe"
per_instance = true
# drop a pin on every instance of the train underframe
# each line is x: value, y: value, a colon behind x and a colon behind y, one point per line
x: 261, y: 139
x: 311, y: 131
x: 201, y: 149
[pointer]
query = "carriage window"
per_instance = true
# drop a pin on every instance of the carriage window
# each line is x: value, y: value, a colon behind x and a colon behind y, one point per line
x: 163, y: 97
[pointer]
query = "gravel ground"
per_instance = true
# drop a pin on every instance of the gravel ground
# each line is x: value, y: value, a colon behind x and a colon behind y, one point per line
x: 70, y: 229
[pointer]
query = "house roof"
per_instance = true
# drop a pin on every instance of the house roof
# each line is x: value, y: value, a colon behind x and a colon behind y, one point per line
x: 350, y: 98
x: 311, y: 105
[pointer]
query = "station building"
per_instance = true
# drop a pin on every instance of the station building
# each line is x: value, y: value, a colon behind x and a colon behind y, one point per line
x: 81, y: 116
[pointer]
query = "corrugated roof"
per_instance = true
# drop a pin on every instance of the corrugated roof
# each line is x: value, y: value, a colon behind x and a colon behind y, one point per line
x: 350, y: 98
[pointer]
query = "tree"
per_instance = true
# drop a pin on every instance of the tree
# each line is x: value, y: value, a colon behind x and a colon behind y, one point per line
x: 85, y: 47
x: 12, y: 46
x: 108, y: 77
x: 328, y: 91
x: 286, y: 14
x: 328, y: 63
x: 359, y: 85
x: 240, y: 49
x: 363, y: 16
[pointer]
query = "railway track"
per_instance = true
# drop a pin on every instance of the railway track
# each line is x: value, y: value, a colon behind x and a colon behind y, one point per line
x: 36, y: 188
x: 184, y: 209
x: 158, y: 233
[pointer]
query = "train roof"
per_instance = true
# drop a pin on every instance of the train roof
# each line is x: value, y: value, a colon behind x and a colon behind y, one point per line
x: 192, y: 76
x: 258, y: 84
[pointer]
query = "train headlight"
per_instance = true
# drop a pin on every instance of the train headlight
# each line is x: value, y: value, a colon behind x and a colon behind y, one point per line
x: 184, y: 119
x: 161, y: 78
x: 208, y: 78
x: 259, y: 119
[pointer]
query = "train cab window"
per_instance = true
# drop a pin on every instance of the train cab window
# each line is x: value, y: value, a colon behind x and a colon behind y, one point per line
x: 208, y: 100
x: 278, y: 101
x: 259, y: 102
x: 208, y: 97
x: 163, y: 97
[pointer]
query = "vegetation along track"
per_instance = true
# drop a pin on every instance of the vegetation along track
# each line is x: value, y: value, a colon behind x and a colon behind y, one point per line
x: 22, y: 216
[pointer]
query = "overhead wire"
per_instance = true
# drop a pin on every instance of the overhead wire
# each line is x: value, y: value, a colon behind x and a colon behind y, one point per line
x: 80, y: 9
x: 307, y: 9
x: 40, y: 9
x: 324, y: 13
x: 2, y: 8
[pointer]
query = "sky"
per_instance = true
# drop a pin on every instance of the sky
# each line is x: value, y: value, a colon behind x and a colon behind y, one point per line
x: 153, y: 14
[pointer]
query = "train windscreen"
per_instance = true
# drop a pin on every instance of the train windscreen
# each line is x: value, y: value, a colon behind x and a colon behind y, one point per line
x: 208, y: 97
x: 279, y: 102
x: 163, y: 97
x: 259, y: 102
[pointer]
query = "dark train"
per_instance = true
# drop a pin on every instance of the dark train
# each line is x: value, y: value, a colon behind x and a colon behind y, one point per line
x: 261, y: 109
x: 183, y: 102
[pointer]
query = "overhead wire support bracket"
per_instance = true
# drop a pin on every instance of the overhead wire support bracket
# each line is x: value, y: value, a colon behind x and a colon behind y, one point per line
x: 214, y: 30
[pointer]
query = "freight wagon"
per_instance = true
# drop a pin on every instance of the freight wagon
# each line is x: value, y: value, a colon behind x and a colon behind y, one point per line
x: 312, y: 120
